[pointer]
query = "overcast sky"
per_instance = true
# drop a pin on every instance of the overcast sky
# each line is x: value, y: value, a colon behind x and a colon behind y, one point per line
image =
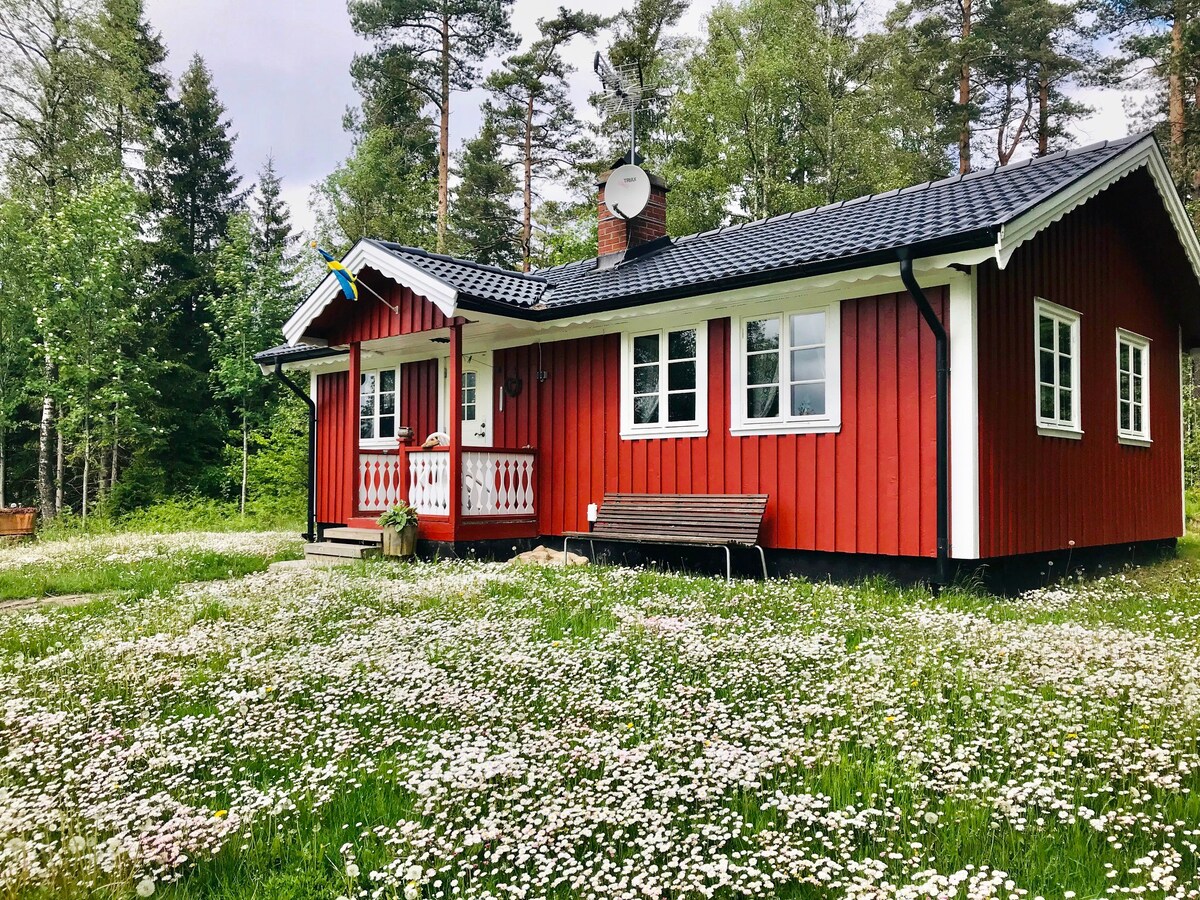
x: 282, y: 69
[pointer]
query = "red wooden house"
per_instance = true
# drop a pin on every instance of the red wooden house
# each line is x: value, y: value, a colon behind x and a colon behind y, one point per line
x: 797, y: 357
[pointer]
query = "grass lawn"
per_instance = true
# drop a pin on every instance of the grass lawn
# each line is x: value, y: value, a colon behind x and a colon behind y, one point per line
x: 474, y: 730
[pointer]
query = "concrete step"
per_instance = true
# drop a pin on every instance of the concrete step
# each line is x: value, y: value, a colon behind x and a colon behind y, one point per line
x: 355, y: 535
x: 328, y: 549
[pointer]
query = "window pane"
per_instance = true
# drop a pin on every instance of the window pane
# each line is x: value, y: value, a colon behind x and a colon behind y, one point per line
x: 1047, y: 402
x: 1046, y: 373
x: 1137, y: 360
x: 1123, y: 356
x: 681, y: 344
x: 1064, y: 371
x: 1137, y: 390
x: 645, y: 379
x: 681, y: 376
x: 387, y: 404
x: 366, y: 428
x: 645, y: 410
x: 645, y: 348
x: 807, y: 329
x: 1124, y: 407
x: 366, y: 383
x: 366, y: 405
x: 1064, y: 405
x: 469, y: 380
x: 387, y: 426
x: 681, y: 408
x: 808, y: 365
x: 1137, y: 419
x: 762, y: 403
x: 1046, y: 332
x: 387, y: 380
x: 763, y: 368
x: 468, y: 412
x: 1124, y: 391
x: 762, y: 335
x: 808, y: 399
x: 1064, y: 337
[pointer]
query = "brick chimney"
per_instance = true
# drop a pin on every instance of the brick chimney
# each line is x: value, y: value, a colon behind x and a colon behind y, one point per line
x: 616, y: 235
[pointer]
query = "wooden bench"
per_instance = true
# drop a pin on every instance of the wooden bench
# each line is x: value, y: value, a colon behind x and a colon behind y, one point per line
x: 698, y: 520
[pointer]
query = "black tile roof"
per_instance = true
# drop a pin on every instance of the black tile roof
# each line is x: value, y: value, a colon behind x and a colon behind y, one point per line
x: 957, y: 213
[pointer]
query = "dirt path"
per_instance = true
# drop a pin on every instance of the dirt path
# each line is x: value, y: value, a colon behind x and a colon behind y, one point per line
x: 10, y: 606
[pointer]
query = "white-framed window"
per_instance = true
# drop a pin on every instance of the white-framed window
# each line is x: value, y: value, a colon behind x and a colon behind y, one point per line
x: 787, y: 371
x: 377, y: 408
x: 1133, y: 387
x: 1056, y: 368
x: 470, y: 395
x: 664, y: 382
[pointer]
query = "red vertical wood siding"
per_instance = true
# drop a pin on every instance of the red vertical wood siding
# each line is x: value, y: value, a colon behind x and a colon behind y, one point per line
x: 419, y: 397
x: 333, y: 465
x: 1040, y: 493
x: 867, y: 489
x: 366, y: 319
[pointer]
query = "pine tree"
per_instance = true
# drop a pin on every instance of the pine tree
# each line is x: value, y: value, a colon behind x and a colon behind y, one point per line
x: 486, y: 227
x: 443, y: 43
x: 272, y: 218
x: 534, y: 114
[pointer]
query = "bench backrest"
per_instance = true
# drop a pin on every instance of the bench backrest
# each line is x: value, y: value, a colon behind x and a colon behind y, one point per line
x: 719, y: 518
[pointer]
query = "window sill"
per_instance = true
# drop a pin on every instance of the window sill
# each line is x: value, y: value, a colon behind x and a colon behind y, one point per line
x: 659, y: 434
x: 746, y: 430
x: 1130, y: 440
x: 1070, y: 434
x: 378, y: 444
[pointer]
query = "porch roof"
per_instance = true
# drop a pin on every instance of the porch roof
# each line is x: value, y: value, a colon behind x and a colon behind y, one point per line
x: 988, y: 214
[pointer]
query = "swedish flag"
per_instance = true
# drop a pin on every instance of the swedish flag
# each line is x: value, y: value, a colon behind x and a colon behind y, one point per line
x: 344, y: 276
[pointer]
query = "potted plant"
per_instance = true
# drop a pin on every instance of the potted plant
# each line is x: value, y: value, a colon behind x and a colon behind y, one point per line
x: 399, y: 526
x: 18, y: 521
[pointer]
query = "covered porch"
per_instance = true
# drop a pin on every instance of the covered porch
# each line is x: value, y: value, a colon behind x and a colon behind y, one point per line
x: 461, y: 492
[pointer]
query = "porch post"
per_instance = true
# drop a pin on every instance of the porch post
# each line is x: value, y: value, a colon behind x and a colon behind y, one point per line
x: 352, y: 414
x: 455, y: 414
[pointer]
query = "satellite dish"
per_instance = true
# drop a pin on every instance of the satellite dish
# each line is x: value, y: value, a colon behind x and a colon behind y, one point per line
x: 627, y: 191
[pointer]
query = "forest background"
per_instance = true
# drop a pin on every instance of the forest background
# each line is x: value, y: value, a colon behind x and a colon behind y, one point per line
x: 140, y: 270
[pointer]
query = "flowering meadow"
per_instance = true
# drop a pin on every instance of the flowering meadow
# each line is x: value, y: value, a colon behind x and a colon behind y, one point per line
x: 478, y: 730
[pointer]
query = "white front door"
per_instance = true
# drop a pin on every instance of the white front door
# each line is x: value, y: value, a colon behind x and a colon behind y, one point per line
x: 478, y: 400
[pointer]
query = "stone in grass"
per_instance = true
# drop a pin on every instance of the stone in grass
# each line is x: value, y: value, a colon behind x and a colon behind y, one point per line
x: 544, y: 556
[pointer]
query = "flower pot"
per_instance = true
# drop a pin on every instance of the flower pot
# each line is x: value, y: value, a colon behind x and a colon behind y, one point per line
x: 17, y: 522
x: 400, y: 542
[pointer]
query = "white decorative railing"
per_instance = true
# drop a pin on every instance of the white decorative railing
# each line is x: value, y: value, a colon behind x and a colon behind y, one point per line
x: 429, y: 483
x: 378, y: 481
x: 498, y: 483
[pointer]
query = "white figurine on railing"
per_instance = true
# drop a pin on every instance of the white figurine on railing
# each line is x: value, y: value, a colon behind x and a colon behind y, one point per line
x: 437, y: 439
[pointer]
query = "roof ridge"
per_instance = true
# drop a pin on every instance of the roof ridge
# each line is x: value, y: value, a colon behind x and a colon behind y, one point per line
x: 392, y: 247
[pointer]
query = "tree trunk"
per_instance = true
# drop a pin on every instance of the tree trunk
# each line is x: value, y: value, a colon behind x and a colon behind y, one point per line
x: 1175, y: 110
x: 3, y: 467
x: 59, y: 466
x: 87, y: 468
x: 444, y: 141
x: 245, y: 459
x: 964, y: 95
x: 527, y: 205
x: 45, y: 479
x: 112, y: 477
x: 1043, y: 115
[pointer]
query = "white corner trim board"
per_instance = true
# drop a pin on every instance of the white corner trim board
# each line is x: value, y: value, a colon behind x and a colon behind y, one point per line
x: 964, y: 418
x: 362, y: 255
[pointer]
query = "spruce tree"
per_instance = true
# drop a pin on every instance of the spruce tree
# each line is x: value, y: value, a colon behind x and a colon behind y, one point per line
x: 194, y: 192
x: 272, y: 218
x: 486, y: 227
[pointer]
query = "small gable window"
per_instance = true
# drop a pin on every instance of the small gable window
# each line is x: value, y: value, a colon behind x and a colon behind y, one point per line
x: 1133, y: 388
x: 377, y: 407
x: 1056, y: 337
x: 664, y: 382
x: 786, y: 372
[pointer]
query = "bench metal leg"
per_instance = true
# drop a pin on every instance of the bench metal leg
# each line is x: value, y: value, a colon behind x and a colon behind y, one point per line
x: 565, y: 541
x: 762, y: 556
x: 728, y: 564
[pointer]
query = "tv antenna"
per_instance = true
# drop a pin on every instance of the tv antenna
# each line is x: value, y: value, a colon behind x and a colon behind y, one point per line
x: 625, y: 90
